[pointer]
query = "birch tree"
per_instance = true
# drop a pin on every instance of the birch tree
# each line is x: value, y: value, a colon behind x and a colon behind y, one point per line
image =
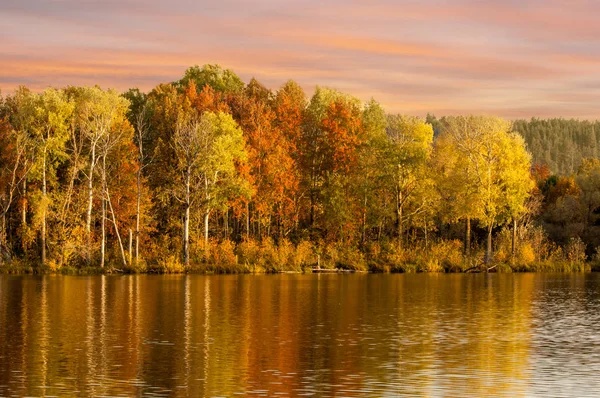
x: 207, y: 148
x: 140, y: 118
x: 14, y: 167
x: 97, y: 112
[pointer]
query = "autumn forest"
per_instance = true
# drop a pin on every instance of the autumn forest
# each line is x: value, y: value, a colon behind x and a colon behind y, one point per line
x: 210, y: 174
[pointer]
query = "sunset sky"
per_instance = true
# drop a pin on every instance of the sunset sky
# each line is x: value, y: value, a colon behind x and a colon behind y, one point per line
x: 509, y: 58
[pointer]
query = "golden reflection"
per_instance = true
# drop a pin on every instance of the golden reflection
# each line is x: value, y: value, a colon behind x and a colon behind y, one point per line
x: 206, y: 342
x: 25, y: 327
x: 496, y: 336
x: 187, y: 329
x: 371, y: 335
x: 90, y: 336
x: 137, y: 347
x: 44, y: 334
x: 102, y: 341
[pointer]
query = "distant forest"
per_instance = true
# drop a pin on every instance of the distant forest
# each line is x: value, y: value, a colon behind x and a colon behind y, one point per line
x: 211, y: 174
x: 559, y: 144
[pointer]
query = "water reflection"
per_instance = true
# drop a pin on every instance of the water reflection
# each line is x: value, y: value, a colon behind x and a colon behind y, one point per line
x: 293, y: 335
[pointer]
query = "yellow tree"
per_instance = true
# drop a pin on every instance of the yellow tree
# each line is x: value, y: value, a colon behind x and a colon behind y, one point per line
x: 503, y: 177
x: 517, y: 181
x: 53, y: 113
x: 486, y: 169
x: 371, y: 158
x: 409, y: 149
x: 455, y: 172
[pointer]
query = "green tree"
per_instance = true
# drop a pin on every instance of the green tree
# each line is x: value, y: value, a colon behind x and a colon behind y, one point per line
x: 588, y: 182
x: 219, y: 79
x: 371, y: 161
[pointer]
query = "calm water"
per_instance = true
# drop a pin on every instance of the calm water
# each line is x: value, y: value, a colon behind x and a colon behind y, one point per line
x: 300, y: 335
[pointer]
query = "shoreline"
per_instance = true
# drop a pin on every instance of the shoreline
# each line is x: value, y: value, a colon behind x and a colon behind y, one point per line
x: 205, y: 269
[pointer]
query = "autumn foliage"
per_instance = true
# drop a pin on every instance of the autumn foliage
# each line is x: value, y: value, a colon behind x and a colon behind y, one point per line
x: 208, y: 170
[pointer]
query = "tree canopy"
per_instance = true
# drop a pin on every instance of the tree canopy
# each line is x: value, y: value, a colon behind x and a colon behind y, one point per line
x: 208, y: 159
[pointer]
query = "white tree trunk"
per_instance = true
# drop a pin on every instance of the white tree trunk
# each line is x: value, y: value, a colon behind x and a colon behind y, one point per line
x: 130, y: 245
x: 88, y: 220
x: 44, y: 204
x: 114, y: 220
x: 103, y: 244
x: 186, y: 221
x: 206, y: 218
x: 137, y: 216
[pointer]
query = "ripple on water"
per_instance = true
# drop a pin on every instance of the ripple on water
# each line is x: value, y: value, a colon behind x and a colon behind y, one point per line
x: 301, y: 335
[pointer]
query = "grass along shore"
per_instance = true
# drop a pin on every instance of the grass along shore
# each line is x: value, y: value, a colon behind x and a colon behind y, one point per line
x: 305, y: 257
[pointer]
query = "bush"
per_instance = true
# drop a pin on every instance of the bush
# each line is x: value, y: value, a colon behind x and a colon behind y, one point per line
x: 526, y: 254
x: 375, y: 257
x: 446, y: 255
x: 395, y: 258
x: 304, y: 256
x: 249, y: 255
x: 223, y: 255
x: 169, y: 265
x: 343, y: 256
x: 575, y: 251
x: 136, y: 268
x: 271, y: 258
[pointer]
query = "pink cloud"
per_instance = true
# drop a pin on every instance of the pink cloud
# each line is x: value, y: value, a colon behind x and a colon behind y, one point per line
x: 531, y: 58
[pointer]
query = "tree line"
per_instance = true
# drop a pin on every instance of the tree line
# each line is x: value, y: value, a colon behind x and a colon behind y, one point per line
x: 560, y: 144
x: 93, y: 177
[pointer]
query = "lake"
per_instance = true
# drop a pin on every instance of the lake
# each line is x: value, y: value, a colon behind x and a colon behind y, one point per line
x: 300, y: 335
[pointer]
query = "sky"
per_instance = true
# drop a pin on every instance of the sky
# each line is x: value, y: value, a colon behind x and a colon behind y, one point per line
x: 515, y: 59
